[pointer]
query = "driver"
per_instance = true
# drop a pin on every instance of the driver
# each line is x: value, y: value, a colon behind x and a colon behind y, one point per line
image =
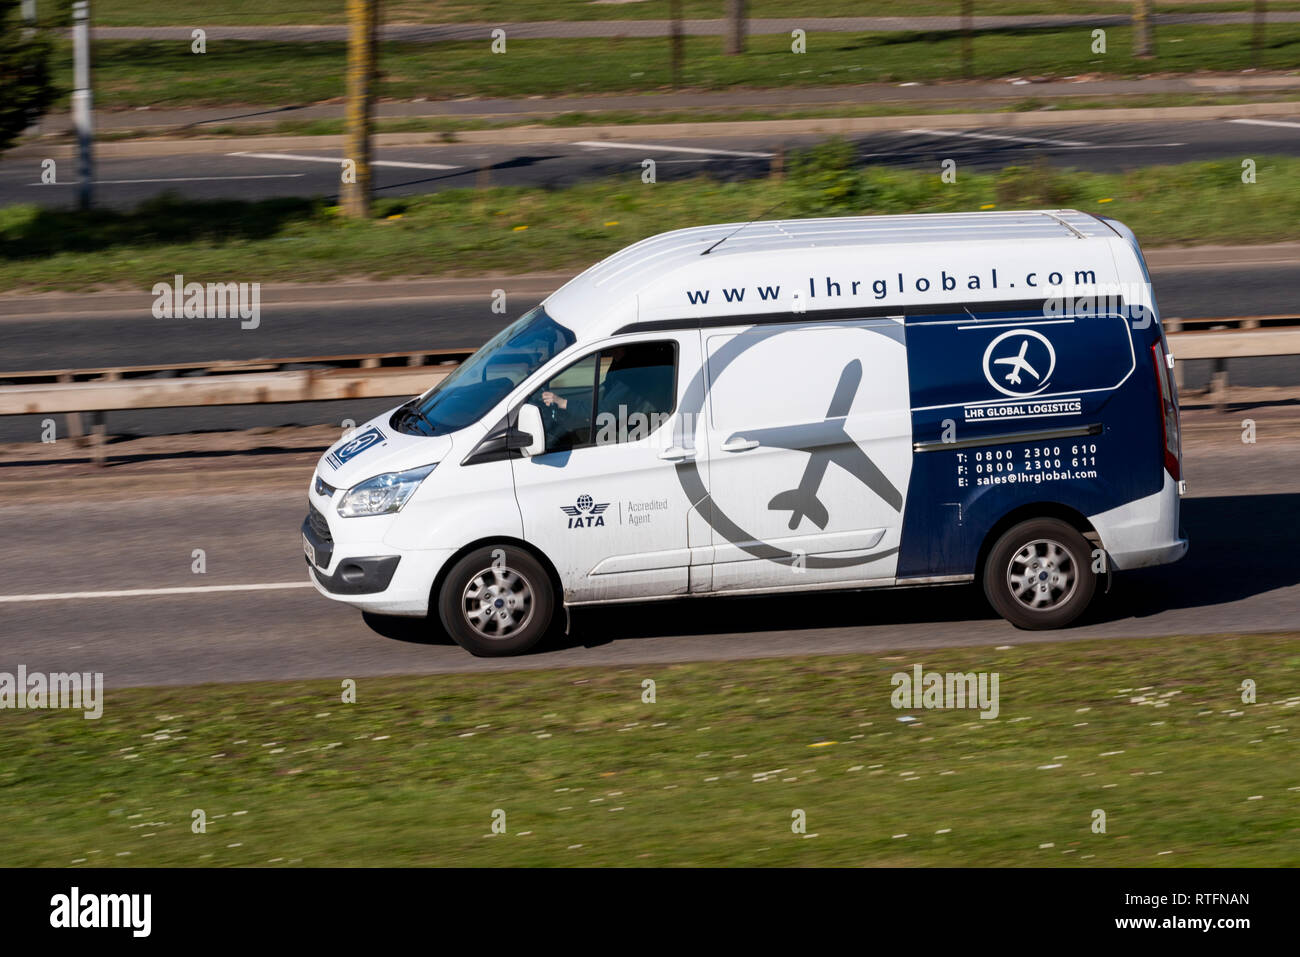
x: 567, y: 421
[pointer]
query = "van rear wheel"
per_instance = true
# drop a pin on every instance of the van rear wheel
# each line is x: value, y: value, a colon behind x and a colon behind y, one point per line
x: 497, y: 601
x: 1039, y: 574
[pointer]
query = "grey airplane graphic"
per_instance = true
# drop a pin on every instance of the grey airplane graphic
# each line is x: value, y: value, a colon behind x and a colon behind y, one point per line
x: 825, y: 442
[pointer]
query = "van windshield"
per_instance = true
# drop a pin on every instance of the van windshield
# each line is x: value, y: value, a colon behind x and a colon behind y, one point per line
x: 486, y: 377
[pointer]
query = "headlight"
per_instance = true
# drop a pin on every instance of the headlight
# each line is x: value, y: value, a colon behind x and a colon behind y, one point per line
x: 382, y: 494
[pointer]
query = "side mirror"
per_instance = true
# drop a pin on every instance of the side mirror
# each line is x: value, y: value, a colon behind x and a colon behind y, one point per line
x: 530, y: 425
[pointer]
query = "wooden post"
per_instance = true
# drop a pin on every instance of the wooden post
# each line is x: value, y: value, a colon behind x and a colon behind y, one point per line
x: 1257, y: 33
x: 1219, y: 385
x: 362, y: 19
x: 482, y: 180
x: 735, y: 27
x: 1144, y: 28
x: 967, y: 38
x: 99, y: 431
x: 676, y: 42
x: 1219, y: 381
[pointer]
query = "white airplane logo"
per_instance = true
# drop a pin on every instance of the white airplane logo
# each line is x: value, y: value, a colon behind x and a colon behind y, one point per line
x: 1013, y: 381
x: 1017, y: 363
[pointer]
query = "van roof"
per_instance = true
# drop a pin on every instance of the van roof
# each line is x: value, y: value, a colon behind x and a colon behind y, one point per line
x: 637, y: 269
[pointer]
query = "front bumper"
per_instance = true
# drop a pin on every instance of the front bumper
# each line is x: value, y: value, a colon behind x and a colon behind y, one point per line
x: 358, y: 576
x: 361, y: 575
x: 369, y: 574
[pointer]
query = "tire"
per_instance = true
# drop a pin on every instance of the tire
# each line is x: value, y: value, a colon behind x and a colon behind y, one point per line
x: 497, y: 601
x: 1058, y: 558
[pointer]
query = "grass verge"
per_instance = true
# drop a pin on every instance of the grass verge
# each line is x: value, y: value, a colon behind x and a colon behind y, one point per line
x: 130, y: 74
x: 505, y: 229
x: 163, y: 12
x: 1152, y: 732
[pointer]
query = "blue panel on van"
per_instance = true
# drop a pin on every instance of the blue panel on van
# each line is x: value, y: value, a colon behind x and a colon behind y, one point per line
x: 1070, y: 411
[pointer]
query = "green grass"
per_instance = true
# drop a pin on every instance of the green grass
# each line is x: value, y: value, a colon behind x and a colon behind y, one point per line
x: 1153, y: 732
x: 513, y: 229
x: 130, y: 74
x: 156, y: 12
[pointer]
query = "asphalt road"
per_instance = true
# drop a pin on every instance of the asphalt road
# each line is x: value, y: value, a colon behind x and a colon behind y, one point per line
x: 1238, y: 577
x: 124, y: 182
x: 136, y: 338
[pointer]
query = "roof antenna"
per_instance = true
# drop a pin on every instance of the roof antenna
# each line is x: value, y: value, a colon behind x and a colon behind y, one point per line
x: 740, y: 227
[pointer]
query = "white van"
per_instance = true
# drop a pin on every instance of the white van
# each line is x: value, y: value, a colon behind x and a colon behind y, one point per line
x: 779, y: 406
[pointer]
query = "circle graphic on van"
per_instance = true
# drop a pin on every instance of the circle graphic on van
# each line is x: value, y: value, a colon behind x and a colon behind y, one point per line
x: 691, y: 413
x: 1019, y: 362
x: 350, y: 450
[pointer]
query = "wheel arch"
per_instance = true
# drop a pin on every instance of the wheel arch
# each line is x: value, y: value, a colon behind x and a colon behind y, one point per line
x: 1032, y: 510
x: 556, y: 586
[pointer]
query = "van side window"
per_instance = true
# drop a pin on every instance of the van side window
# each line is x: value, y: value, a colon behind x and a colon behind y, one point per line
x: 620, y: 394
x: 565, y: 403
x: 637, y: 391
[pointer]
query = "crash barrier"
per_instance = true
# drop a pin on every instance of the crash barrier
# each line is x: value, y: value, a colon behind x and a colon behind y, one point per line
x: 394, y: 374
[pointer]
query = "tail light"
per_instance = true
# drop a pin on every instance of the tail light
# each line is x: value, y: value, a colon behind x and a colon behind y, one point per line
x: 1169, y: 422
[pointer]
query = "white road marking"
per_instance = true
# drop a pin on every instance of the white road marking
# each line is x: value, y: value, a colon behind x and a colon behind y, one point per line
x: 404, y: 165
x: 602, y: 144
x: 338, y: 161
x: 1099, y: 146
x: 997, y: 136
x: 1268, y: 123
x: 1127, y: 146
x: 150, y: 592
x: 181, y: 179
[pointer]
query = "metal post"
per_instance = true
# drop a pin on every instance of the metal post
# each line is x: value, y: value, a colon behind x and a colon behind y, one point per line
x: 362, y: 19
x: 29, y: 11
x: 82, y: 105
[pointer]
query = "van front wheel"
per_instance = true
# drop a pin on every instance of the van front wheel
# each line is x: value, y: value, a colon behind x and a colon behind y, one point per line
x: 497, y: 601
x: 1039, y: 574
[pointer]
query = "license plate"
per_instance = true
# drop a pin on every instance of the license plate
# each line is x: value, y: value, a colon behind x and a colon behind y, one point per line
x: 308, y: 550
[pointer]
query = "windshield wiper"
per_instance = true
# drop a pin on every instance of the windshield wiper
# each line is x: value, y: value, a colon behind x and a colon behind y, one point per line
x: 413, y: 409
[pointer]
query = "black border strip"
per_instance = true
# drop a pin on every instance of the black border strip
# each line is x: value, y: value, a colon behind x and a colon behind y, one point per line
x: 977, y: 310
x: 1007, y: 438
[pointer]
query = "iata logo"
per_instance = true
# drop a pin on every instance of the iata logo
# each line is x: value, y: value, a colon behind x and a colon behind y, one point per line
x: 585, y: 513
x: 1019, y: 363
